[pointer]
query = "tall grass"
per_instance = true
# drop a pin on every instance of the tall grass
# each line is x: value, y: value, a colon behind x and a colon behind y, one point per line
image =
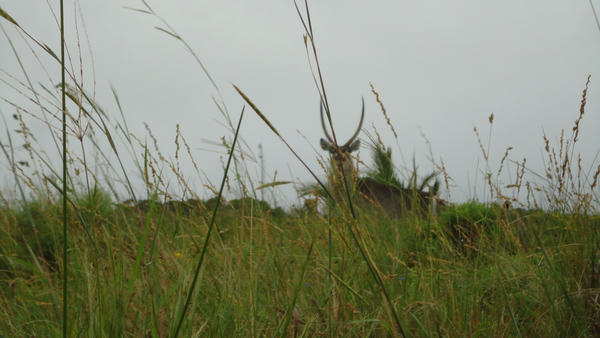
x: 64, y: 169
x: 526, y: 264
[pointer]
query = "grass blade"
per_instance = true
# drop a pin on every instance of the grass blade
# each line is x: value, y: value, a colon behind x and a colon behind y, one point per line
x: 64, y: 173
x: 8, y: 17
x: 288, y: 313
x: 210, y: 228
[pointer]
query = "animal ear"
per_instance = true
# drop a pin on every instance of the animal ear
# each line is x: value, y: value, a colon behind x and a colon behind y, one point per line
x: 354, y: 146
x: 326, y: 145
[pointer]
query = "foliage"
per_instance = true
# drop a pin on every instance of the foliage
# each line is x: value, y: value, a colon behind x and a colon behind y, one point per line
x: 385, y: 173
x: 253, y: 272
x: 465, y: 223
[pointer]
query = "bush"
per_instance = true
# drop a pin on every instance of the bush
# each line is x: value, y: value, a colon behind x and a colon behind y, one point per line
x: 465, y: 224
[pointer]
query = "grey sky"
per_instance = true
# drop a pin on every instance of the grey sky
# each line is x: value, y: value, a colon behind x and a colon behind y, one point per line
x: 440, y: 67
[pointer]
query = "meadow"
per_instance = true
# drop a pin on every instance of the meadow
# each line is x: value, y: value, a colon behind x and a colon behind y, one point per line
x: 79, y: 257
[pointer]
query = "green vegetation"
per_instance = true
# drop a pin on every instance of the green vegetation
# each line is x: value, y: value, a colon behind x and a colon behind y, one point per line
x: 526, y: 264
x: 528, y: 272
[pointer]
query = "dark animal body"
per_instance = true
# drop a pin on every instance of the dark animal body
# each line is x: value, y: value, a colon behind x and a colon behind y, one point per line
x: 395, y: 201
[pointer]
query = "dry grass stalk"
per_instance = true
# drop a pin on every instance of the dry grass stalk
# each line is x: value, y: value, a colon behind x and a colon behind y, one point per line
x: 383, y: 110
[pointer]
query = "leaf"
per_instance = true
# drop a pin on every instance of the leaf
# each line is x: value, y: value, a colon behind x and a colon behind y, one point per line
x: 138, y: 10
x: 49, y: 51
x: 273, y: 184
x: 109, y: 137
x: 71, y: 95
x: 170, y: 33
x: 256, y: 110
x: 8, y: 17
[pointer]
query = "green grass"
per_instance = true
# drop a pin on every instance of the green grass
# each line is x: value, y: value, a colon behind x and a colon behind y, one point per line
x: 507, y: 284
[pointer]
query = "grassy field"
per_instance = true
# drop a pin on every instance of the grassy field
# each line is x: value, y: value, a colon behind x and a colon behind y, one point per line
x: 160, y: 265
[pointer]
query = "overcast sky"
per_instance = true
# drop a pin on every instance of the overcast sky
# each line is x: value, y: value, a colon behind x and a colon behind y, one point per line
x: 441, y: 68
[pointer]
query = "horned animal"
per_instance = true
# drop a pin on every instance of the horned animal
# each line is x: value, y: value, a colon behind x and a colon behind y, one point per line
x: 340, y: 154
x: 369, y: 192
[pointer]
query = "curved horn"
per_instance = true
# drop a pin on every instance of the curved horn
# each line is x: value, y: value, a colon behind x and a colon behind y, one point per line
x: 323, y: 124
x: 362, y: 116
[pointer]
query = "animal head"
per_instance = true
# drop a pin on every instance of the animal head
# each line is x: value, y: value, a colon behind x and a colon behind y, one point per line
x: 341, y: 153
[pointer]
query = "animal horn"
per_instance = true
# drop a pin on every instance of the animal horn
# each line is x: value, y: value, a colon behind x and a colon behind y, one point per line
x: 323, y: 125
x: 362, y: 116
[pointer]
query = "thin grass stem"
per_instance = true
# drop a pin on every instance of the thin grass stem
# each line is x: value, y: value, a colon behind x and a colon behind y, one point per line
x: 64, y: 163
x: 210, y: 228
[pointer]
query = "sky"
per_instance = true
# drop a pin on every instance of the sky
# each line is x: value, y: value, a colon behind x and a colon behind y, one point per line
x: 441, y: 68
